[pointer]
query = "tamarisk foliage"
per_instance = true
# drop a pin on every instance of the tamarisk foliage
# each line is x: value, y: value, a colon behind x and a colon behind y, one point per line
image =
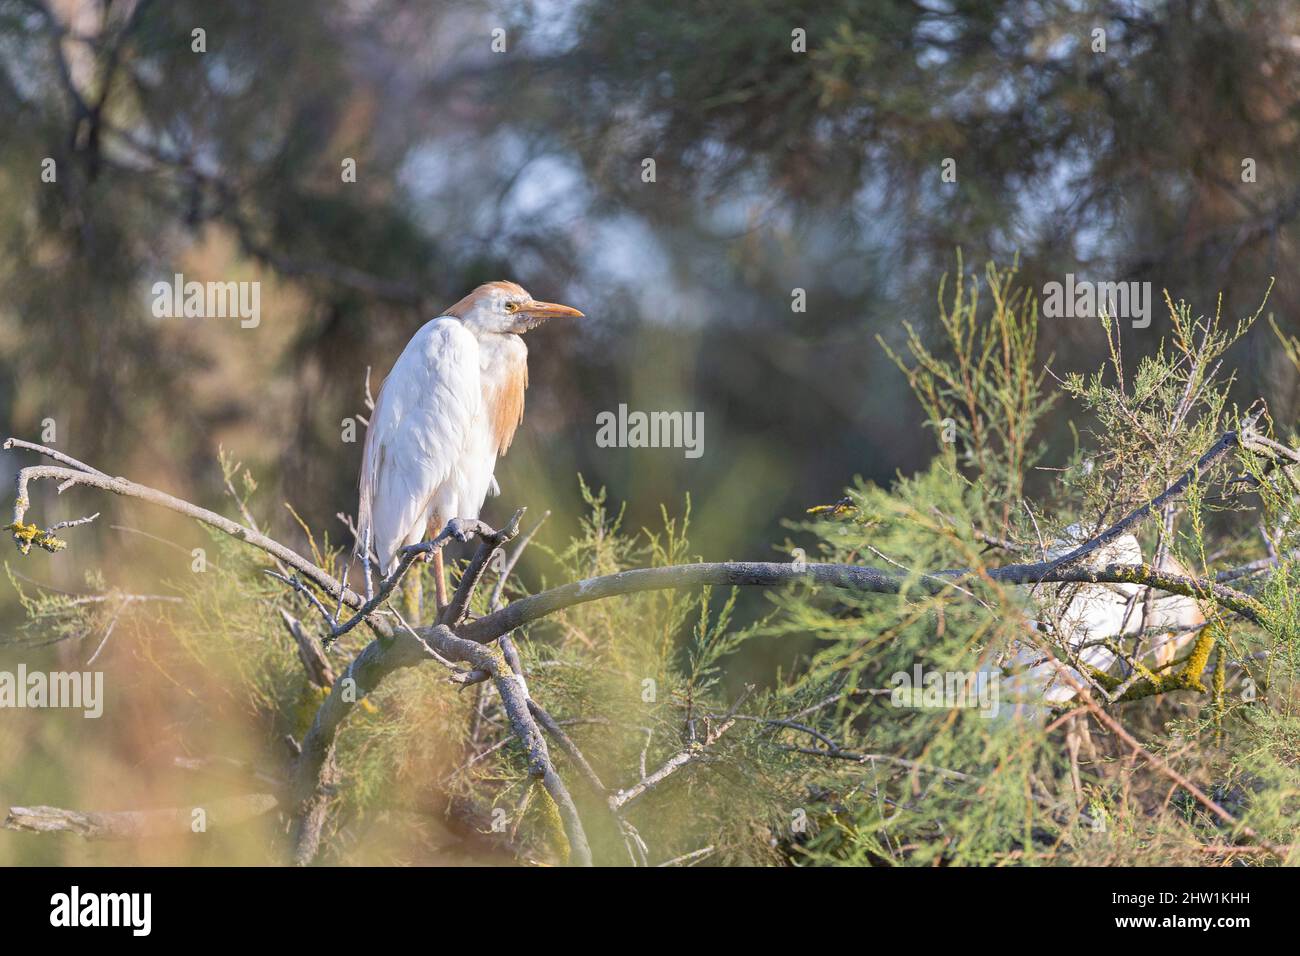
x: 629, y: 712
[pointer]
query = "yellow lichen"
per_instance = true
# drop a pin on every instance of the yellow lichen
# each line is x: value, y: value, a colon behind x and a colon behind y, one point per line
x: 1199, y: 658
x: 552, y: 825
x: 1188, y: 678
x: 28, y: 534
x: 1220, y: 698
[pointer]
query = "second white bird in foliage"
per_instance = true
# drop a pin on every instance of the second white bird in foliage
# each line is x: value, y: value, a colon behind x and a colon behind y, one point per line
x: 1095, y: 618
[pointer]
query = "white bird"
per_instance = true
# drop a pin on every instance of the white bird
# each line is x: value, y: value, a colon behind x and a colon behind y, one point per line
x: 1108, y: 612
x: 1095, y: 613
x: 446, y: 411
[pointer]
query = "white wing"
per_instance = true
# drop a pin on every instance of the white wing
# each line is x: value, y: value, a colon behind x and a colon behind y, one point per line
x: 424, y: 417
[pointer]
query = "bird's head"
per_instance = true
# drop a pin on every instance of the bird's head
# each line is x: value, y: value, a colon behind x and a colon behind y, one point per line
x: 506, y: 307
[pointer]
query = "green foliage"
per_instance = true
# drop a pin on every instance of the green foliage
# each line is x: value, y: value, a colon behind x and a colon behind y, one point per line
x: 984, y: 394
x: 828, y: 758
x: 1142, y: 433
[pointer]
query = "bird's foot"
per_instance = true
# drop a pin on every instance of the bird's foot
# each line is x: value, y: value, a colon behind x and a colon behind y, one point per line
x: 462, y: 529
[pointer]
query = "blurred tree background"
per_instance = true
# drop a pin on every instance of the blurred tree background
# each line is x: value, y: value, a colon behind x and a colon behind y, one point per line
x: 776, y: 169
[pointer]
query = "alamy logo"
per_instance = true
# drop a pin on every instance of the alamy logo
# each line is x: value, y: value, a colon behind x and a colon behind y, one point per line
x: 208, y: 300
x: 103, y: 909
x: 71, y: 689
x: 1086, y: 300
x: 626, y: 429
x: 944, y: 690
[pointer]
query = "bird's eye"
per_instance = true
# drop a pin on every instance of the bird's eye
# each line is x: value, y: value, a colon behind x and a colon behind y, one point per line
x: 512, y: 306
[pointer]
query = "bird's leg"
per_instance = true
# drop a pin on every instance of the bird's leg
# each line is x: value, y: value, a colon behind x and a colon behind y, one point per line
x: 365, y: 563
x: 462, y: 529
x: 343, y: 589
x: 440, y: 581
x: 413, y: 593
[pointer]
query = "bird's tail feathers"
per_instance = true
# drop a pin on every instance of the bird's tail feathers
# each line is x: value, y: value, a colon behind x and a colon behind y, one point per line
x: 365, y: 543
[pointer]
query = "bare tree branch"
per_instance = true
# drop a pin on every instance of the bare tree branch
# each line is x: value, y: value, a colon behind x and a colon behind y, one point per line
x: 137, y: 824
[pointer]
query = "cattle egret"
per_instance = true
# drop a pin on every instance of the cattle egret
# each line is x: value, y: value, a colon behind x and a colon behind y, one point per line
x: 447, y: 410
x: 1107, y: 612
x: 1097, y: 613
